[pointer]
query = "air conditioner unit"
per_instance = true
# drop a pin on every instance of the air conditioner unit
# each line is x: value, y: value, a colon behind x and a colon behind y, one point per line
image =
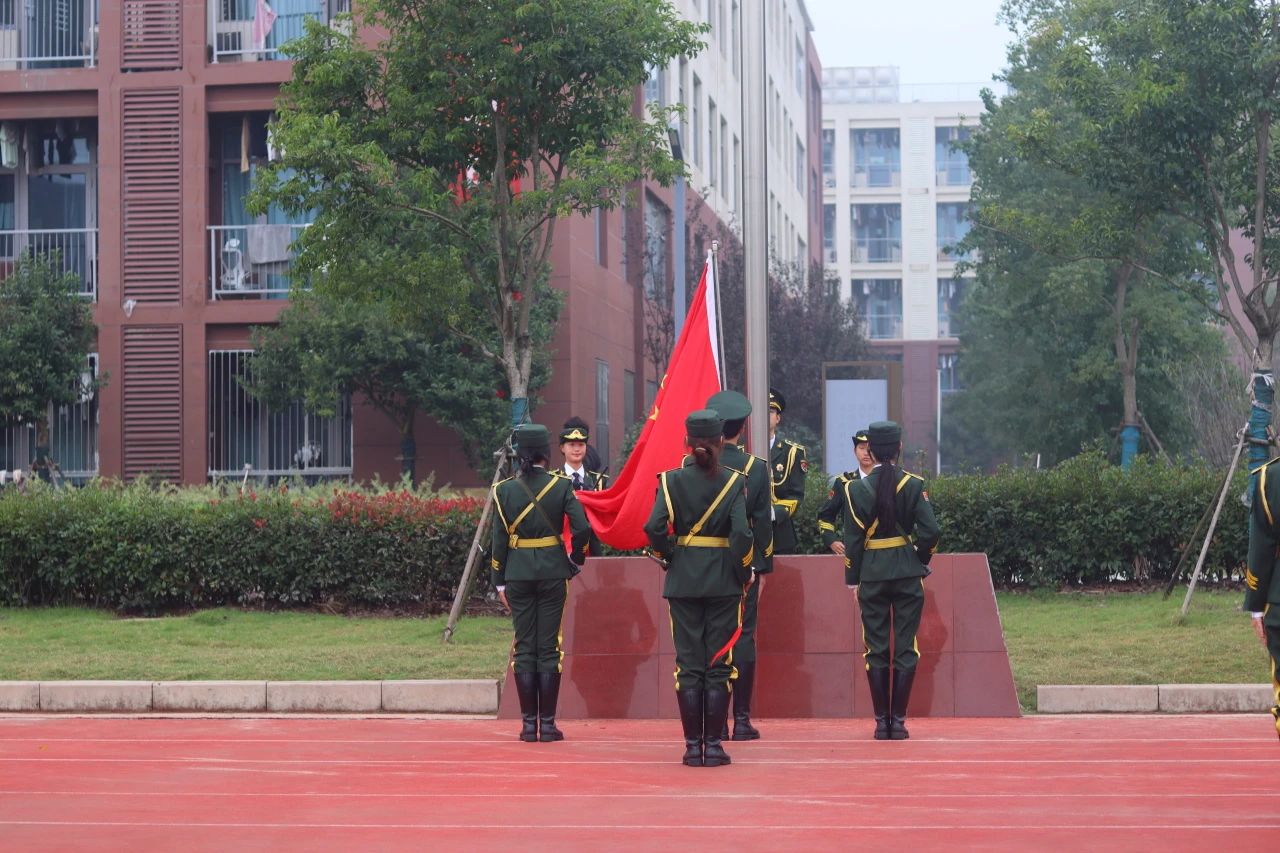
x: 233, y: 41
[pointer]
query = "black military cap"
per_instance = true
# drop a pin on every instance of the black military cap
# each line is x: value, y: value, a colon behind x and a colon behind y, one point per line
x: 861, y: 436
x: 730, y: 405
x: 884, y: 432
x: 574, y: 433
x: 704, y: 423
x: 528, y: 437
x: 777, y: 402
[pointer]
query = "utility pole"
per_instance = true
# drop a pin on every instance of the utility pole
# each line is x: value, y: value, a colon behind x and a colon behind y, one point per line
x: 755, y: 221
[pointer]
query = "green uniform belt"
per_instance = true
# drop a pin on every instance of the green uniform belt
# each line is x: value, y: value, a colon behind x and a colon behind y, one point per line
x: 541, y: 542
x: 704, y: 541
x: 891, y: 542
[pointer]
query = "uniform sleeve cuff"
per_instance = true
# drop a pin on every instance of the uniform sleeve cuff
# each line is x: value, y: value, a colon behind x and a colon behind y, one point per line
x: 500, y: 588
x: 1256, y: 615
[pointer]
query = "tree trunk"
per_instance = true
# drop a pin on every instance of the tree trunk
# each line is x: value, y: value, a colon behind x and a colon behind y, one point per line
x: 42, y: 466
x: 408, y: 451
x: 1126, y: 345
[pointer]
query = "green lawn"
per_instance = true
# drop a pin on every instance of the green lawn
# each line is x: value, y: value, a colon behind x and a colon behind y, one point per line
x: 1083, y: 638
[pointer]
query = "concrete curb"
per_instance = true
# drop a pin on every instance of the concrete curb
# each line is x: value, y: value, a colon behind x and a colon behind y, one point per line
x: 1152, y: 698
x: 432, y: 697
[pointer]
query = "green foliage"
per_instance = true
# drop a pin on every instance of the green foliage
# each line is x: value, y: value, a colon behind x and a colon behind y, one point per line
x: 138, y: 549
x: 48, y: 332
x: 1088, y: 522
x: 440, y: 142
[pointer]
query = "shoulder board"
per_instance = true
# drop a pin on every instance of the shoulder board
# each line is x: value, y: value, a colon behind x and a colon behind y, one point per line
x: 1264, y: 465
x: 595, y: 473
x: 913, y: 476
x: 791, y: 443
x: 503, y: 480
x: 734, y: 470
x: 559, y: 474
x: 843, y: 478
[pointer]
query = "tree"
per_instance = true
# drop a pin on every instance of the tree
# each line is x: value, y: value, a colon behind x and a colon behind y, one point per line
x: 1045, y: 193
x: 48, y: 331
x: 1178, y: 98
x: 324, y: 348
x: 471, y: 128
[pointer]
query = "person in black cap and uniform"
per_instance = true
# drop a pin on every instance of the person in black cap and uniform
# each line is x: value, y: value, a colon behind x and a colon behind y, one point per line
x: 734, y: 408
x: 789, y: 467
x: 831, y: 514
x: 699, y: 529
x: 574, y: 446
x: 532, y: 572
x: 890, y: 534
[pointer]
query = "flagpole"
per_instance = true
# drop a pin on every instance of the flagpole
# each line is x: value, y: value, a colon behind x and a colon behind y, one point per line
x: 714, y: 260
x: 755, y: 221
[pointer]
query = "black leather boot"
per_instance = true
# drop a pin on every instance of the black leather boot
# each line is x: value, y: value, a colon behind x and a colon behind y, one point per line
x: 901, y: 696
x: 742, y: 728
x: 690, y: 702
x: 527, y: 690
x: 878, y: 678
x: 716, y: 710
x: 548, y: 695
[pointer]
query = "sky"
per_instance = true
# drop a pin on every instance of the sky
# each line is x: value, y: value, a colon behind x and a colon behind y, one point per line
x: 931, y: 41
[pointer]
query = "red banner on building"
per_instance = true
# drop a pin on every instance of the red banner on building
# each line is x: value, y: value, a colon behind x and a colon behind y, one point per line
x: 618, y: 513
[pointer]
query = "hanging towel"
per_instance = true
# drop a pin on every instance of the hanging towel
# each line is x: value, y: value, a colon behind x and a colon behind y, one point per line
x: 263, y: 19
x: 269, y: 244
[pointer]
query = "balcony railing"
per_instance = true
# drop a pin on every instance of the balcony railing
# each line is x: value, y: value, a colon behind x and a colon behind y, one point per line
x: 237, y: 34
x: 48, y: 34
x: 875, y: 175
x: 71, y: 250
x: 73, y: 437
x: 877, y: 250
x: 954, y: 173
x: 251, y: 260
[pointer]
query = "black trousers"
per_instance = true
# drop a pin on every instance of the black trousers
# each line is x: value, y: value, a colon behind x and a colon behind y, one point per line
x: 891, y: 607
x: 537, y: 612
x: 703, y: 629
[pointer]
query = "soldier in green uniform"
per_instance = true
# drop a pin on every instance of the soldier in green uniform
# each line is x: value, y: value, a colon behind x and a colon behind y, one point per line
x: 532, y: 572
x: 1262, y: 581
x: 699, y: 529
x: 789, y: 466
x: 573, y: 444
x: 831, y: 514
x: 890, y: 534
x: 734, y: 408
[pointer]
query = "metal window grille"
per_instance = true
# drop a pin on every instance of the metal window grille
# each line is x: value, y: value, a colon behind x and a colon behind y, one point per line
x: 48, y: 33
x: 248, y: 437
x: 602, y: 409
x: 73, y: 436
x: 233, y: 35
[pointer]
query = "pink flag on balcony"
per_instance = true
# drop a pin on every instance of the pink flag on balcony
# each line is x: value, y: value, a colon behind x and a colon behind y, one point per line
x: 263, y: 19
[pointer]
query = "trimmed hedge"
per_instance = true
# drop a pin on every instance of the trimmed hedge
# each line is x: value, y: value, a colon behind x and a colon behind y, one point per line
x: 1085, y: 522
x: 136, y: 548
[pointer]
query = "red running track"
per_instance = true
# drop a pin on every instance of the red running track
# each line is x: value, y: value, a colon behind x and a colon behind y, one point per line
x: 1093, y: 783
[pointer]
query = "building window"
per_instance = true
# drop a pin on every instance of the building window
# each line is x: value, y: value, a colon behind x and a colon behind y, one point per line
x: 950, y: 294
x: 657, y: 225
x: 877, y: 233
x: 684, y: 114
x: 711, y: 142
x: 829, y: 158
x: 953, y: 226
x: 655, y: 85
x: 246, y: 436
x: 235, y: 36
x: 601, y: 435
x: 695, y: 138
x: 73, y: 436
x: 799, y: 165
x: 602, y: 236
x: 829, y: 254
x: 949, y: 373
x: 724, y: 158
x: 952, y: 162
x: 48, y: 196
x: 877, y: 156
x: 48, y: 33
x: 628, y: 397
x: 736, y: 38
x: 799, y: 72
x: 737, y: 175
x: 880, y: 304
x: 249, y: 255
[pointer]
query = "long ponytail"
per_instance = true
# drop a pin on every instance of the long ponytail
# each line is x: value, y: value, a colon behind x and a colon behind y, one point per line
x: 528, y: 459
x: 886, y: 486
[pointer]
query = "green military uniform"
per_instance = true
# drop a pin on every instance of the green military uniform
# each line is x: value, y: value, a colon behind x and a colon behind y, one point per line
x: 699, y: 528
x: 588, y: 481
x: 888, y: 568
x: 1262, y: 581
x: 531, y: 567
x: 788, y: 465
x: 831, y: 514
x: 734, y: 407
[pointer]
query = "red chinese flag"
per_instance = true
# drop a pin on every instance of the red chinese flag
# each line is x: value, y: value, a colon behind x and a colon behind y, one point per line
x: 618, y: 513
